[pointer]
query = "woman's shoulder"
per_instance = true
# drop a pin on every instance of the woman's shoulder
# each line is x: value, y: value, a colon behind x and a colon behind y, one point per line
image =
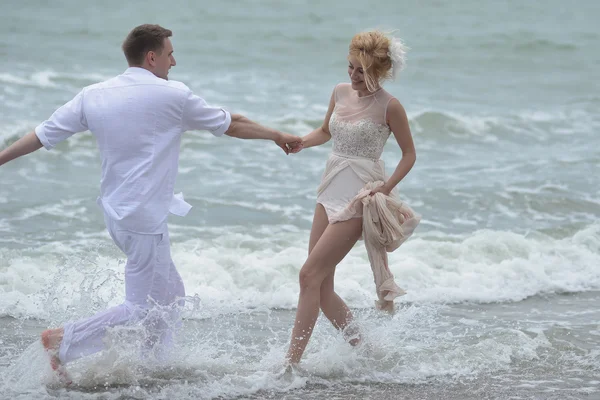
x: 385, y: 95
x: 342, y: 87
x: 387, y: 99
x: 341, y: 90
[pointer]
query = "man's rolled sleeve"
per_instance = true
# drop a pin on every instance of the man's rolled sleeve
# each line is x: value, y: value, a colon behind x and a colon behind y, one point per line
x: 198, y: 115
x: 40, y: 133
x: 64, y: 123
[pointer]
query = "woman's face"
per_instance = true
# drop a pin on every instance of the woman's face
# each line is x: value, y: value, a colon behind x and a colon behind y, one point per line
x: 356, y: 73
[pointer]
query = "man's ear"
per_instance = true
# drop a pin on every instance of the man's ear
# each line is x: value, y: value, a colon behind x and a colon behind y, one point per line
x: 151, y: 58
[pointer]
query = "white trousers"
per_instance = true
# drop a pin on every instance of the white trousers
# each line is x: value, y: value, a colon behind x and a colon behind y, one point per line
x: 153, y: 294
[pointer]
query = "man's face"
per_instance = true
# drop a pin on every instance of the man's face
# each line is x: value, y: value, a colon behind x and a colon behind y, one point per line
x: 163, y: 61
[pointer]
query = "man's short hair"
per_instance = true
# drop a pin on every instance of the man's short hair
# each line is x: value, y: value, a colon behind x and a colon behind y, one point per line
x: 141, y: 40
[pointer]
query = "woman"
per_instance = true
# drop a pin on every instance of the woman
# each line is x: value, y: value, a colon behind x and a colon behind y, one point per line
x: 360, y: 118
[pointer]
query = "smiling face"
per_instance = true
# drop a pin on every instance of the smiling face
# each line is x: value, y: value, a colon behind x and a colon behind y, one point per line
x: 369, y: 61
x: 356, y: 74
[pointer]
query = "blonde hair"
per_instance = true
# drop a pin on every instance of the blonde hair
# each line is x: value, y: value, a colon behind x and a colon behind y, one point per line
x: 376, y: 53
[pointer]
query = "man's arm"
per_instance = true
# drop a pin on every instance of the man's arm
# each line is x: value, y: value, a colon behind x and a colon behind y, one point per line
x: 243, y: 128
x: 27, y: 144
x: 198, y: 115
x: 65, y: 122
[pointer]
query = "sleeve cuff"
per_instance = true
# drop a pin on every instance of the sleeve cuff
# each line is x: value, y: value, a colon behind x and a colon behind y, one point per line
x: 39, y: 132
x: 224, y: 126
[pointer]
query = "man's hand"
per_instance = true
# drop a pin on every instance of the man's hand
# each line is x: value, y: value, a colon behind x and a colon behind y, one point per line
x: 289, y: 143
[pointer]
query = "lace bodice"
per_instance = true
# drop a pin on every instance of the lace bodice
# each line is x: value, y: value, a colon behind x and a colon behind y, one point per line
x: 358, y: 124
x: 363, y: 138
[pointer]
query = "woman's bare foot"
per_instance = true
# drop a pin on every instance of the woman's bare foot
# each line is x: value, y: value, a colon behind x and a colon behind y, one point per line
x: 387, y: 306
x: 290, y: 369
x: 51, y: 339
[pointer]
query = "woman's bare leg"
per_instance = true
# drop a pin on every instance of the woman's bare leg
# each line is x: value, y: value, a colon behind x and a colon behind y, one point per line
x: 319, y: 224
x: 332, y: 305
x: 387, y: 306
x: 333, y: 245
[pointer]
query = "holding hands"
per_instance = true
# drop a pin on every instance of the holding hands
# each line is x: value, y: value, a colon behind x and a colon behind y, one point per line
x: 289, y: 143
x: 298, y: 146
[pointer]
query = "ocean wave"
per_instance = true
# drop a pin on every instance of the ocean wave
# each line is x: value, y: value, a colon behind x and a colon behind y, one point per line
x: 13, y: 131
x: 221, y: 359
x: 443, y: 123
x: 524, y: 42
x: 238, y: 271
x: 52, y: 79
x: 421, y: 349
x: 537, y: 125
x: 544, y: 45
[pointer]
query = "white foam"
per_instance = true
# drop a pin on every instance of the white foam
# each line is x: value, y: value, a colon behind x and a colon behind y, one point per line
x: 454, y: 124
x: 9, y: 78
x: 47, y: 78
x: 546, y: 187
x: 230, y: 271
x: 14, y: 130
x: 20, y: 378
x: 410, y: 347
x: 42, y: 79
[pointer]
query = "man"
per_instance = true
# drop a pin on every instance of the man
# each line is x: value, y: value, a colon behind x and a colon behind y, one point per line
x: 138, y: 119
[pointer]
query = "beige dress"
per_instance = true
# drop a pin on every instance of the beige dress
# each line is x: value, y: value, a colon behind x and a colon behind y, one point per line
x: 359, y: 132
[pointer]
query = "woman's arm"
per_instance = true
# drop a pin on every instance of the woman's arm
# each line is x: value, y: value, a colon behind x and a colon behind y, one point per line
x: 320, y: 135
x: 243, y: 128
x: 398, y: 123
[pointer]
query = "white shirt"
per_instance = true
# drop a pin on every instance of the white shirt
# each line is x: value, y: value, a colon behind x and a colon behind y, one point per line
x: 137, y: 119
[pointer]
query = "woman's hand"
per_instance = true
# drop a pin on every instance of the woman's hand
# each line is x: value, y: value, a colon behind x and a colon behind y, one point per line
x: 288, y: 143
x: 297, y: 147
x: 381, y: 189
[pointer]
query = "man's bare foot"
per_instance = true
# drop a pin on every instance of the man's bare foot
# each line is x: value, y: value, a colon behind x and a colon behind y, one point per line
x: 352, y: 334
x: 51, y: 339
